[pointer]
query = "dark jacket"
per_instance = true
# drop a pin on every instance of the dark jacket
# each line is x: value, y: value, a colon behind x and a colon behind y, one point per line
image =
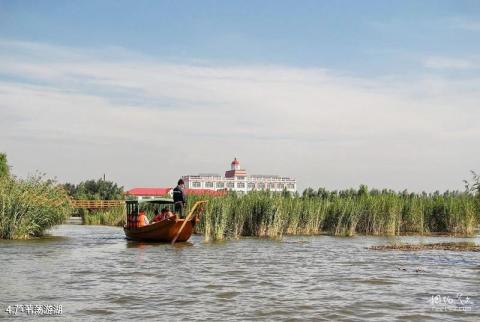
x: 179, y: 195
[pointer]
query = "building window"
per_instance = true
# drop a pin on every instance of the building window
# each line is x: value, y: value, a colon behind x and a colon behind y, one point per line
x: 280, y: 186
x: 241, y: 178
x: 251, y: 185
x: 271, y: 186
x: 196, y: 184
x: 220, y: 185
x: 240, y: 185
x: 261, y: 186
x: 230, y: 185
x: 291, y: 186
x: 208, y: 184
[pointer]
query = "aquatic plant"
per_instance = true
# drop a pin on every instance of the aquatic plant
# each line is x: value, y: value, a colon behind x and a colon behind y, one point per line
x: 344, y: 213
x: 347, y: 212
x: 452, y: 246
x: 30, y: 206
x: 4, y: 169
x: 111, y: 217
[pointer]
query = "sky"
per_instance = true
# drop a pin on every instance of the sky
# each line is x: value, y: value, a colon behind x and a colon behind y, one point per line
x: 333, y: 93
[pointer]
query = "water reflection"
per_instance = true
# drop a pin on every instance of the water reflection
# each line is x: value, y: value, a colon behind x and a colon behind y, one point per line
x: 143, y: 244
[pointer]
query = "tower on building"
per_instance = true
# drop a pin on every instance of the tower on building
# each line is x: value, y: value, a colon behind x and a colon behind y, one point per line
x: 235, y: 170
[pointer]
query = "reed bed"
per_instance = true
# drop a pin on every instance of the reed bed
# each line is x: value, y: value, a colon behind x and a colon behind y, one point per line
x: 339, y: 213
x: 344, y: 213
x: 460, y: 246
x: 111, y: 217
x: 30, y: 206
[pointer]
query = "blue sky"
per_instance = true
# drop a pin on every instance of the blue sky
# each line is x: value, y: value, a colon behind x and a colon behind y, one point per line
x: 355, y: 36
x: 377, y: 92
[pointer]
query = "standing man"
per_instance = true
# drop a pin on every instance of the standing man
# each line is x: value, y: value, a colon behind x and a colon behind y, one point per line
x: 179, y: 198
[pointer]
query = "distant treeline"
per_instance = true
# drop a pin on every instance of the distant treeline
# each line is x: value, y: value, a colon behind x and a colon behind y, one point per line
x: 94, y: 190
x: 363, y: 189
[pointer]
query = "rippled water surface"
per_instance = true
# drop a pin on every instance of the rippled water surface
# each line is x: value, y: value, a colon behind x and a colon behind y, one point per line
x: 95, y: 274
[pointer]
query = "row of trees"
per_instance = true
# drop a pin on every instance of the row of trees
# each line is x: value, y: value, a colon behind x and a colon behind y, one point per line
x: 471, y: 187
x: 99, y: 189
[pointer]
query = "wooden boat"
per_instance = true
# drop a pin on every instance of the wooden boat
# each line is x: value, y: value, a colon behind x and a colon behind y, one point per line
x: 169, y: 230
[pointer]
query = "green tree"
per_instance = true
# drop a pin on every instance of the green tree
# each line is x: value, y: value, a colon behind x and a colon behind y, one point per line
x: 4, y: 169
x: 309, y: 193
x: 70, y: 188
x: 95, y: 190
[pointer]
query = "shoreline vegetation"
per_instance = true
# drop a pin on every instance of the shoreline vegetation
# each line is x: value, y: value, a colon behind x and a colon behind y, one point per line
x: 338, y: 213
x: 110, y: 217
x: 460, y: 246
x: 343, y: 213
x: 30, y: 206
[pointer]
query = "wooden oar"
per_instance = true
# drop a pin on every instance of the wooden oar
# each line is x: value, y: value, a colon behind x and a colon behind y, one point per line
x: 192, y: 212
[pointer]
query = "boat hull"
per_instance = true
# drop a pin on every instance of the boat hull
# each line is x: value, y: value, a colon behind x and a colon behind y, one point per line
x: 163, y: 231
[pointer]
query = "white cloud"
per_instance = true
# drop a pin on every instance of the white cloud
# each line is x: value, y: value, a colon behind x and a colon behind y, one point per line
x: 146, y: 122
x: 450, y: 63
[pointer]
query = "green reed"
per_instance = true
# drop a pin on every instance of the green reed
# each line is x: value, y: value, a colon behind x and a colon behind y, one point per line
x: 30, y: 206
x: 345, y: 213
x: 111, y: 217
x: 349, y: 212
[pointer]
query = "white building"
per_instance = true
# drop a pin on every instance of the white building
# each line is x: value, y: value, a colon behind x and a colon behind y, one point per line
x: 236, y: 179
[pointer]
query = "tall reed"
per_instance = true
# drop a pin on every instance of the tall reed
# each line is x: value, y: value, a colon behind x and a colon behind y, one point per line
x: 30, y: 206
x: 346, y: 213
x: 112, y: 217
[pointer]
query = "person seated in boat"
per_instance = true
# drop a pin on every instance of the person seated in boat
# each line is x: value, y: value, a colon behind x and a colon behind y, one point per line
x: 164, y: 214
x: 170, y: 215
x: 158, y: 216
x: 142, y: 219
x: 155, y: 214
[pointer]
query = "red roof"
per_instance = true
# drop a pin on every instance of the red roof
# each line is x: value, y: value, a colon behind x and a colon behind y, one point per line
x: 148, y: 191
x: 235, y: 161
x: 166, y: 191
x: 204, y: 192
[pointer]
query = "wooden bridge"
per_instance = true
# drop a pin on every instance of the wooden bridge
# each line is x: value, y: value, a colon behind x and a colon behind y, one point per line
x: 96, y: 204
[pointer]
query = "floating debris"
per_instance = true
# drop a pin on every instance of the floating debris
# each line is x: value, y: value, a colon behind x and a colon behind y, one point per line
x: 460, y: 246
x: 416, y: 270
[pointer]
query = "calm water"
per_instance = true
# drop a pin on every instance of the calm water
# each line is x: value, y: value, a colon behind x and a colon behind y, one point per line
x: 95, y: 274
